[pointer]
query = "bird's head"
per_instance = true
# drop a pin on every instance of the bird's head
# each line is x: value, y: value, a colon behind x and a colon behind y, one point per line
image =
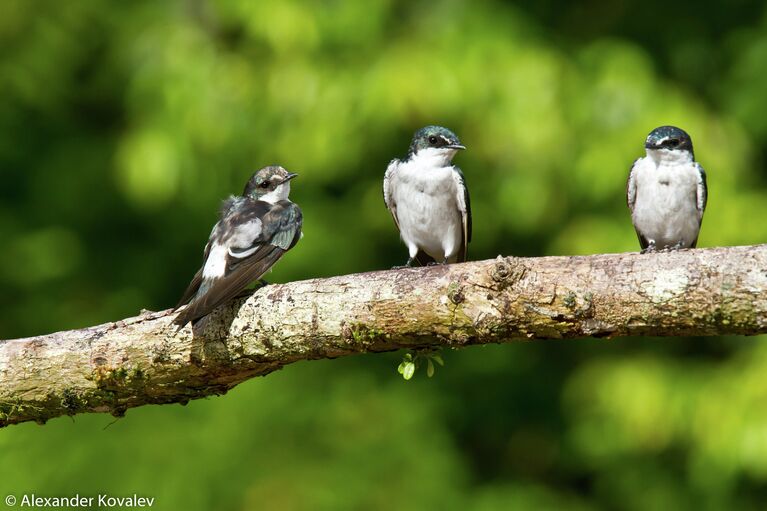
x: 669, y: 143
x: 270, y: 184
x: 436, y: 142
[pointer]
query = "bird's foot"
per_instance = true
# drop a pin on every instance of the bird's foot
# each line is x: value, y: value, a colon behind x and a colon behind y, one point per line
x: 679, y: 246
x: 649, y: 249
x: 672, y: 248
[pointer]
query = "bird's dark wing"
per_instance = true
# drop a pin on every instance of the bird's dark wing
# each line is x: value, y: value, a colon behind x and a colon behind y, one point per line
x: 702, y: 193
x: 279, y: 230
x: 701, y: 197
x: 464, y: 205
x: 224, y: 289
x: 387, y: 190
x: 287, y: 219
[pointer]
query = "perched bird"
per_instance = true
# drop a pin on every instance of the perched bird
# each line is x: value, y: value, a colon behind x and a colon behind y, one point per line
x: 429, y: 200
x: 254, y: 231
x: 667, y: 192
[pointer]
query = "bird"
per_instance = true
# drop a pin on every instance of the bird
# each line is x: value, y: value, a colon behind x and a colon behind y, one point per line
x: 428, y: 199
x: 667, y: 192
x: 253, y: 232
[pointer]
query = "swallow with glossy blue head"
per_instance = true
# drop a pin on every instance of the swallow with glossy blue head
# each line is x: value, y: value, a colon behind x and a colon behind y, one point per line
x: 254, y: 231
x: 667, y: 192
x: 428, y: 199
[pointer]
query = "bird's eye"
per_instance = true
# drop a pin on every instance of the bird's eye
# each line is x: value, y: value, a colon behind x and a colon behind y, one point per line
x: 432, y: 139
x: 673, y: 142
x: 264, y: 185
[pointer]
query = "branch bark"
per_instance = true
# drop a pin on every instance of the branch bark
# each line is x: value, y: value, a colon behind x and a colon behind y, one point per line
x: 143, y: 360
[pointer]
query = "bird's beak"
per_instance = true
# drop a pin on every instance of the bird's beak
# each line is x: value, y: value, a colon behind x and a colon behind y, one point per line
x: 290, y: 176
x: 456, y: 146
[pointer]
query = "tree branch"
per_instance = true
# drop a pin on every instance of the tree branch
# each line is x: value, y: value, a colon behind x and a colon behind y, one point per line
x: 142, y: 360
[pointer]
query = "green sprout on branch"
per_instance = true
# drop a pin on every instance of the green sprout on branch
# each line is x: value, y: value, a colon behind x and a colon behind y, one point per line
x: 412, y: 360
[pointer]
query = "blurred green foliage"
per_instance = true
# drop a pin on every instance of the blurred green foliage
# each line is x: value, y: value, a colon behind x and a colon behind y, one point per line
x: 123, y: 124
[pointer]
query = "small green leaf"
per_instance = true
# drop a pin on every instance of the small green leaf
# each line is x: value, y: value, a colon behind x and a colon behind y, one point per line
x: 409, y: 370
x: 429, y: 368
x: 438, y: 359
x: 401, y: 367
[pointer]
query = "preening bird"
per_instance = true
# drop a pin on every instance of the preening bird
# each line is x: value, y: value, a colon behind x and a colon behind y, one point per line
x: 667, y: 192
x: 254, y: 231
x: 428, y: 199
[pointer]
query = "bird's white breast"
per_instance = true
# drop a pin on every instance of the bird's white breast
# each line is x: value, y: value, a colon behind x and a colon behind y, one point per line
x: 665, y: 208
x: 427, y: 208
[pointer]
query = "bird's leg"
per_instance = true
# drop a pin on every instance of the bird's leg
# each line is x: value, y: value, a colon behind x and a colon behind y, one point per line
x: 262, y: 282
x: 408, y: 264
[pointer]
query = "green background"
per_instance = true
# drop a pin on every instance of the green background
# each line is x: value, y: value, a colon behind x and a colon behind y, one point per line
x: 123, y: 125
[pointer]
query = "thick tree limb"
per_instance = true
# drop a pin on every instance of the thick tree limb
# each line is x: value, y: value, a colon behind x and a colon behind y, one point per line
x: 141, y: 360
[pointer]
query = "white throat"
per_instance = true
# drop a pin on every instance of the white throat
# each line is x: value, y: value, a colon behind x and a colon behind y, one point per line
x: 278, y: 194
x: 433, y: 157
x: 669, y: 156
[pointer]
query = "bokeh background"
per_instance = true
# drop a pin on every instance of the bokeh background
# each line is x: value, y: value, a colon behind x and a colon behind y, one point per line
x: 123, y: 125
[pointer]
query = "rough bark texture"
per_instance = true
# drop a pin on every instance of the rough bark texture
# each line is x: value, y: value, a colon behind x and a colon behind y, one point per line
x: 141, y: 360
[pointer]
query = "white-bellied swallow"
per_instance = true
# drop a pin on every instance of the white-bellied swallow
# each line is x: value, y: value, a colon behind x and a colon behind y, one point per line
x: 666, y: 192
x: 427, y: 196
x: 254, y: 231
